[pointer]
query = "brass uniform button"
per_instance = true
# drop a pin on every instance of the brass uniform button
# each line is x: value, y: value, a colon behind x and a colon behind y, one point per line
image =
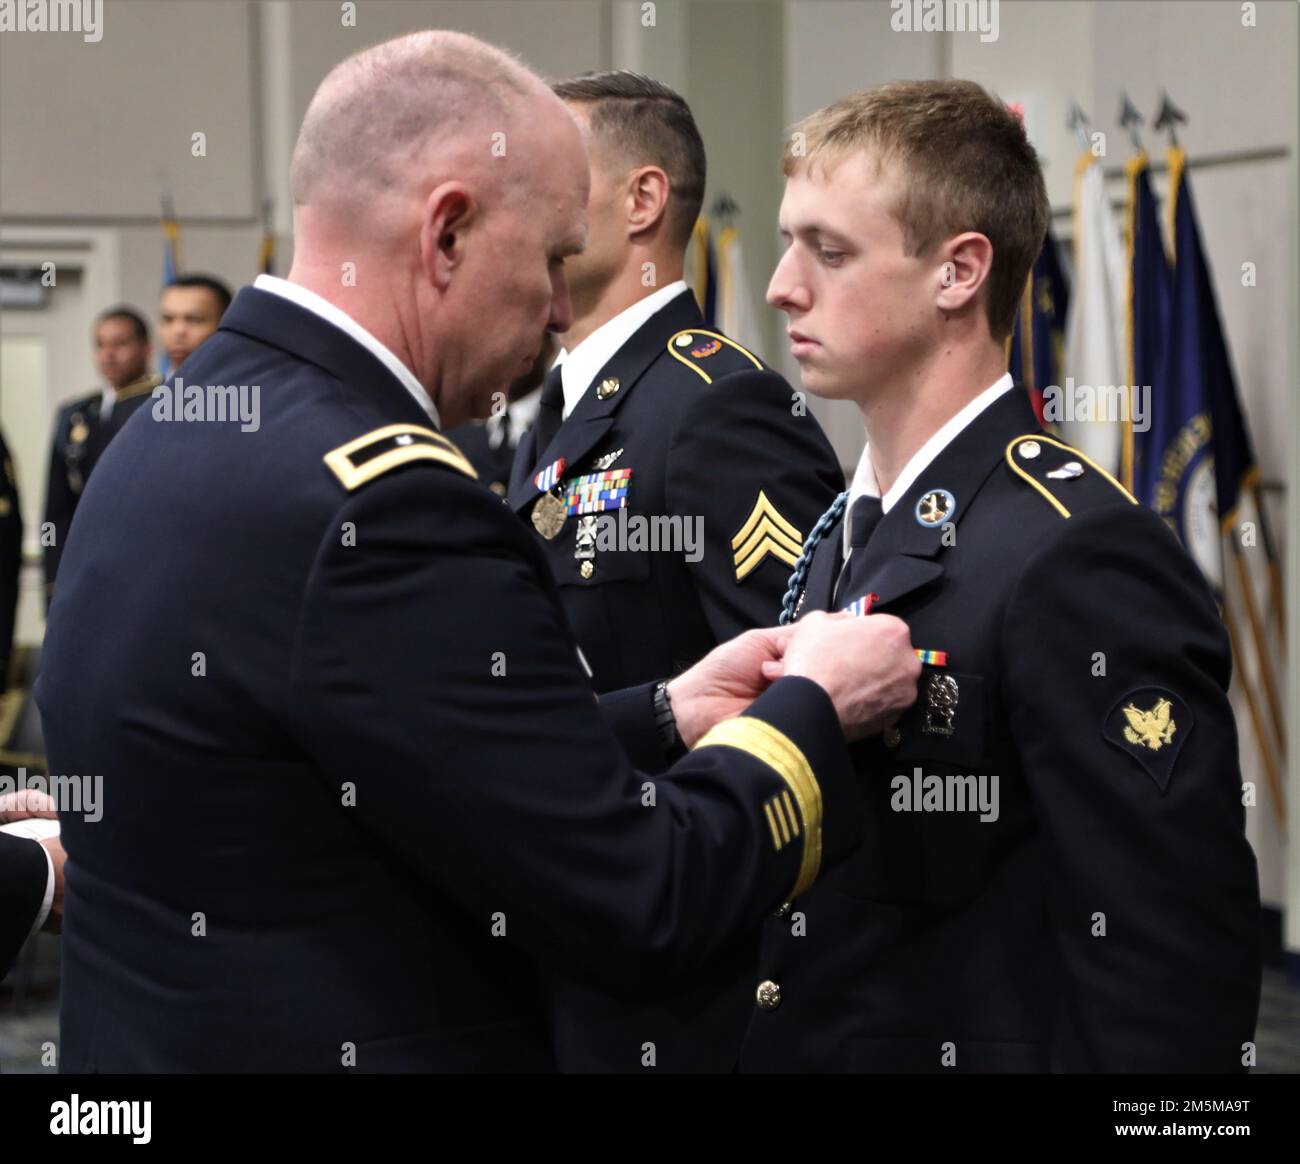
x: 586, y: 569
x: 768, y: 995
x: 784, y: 910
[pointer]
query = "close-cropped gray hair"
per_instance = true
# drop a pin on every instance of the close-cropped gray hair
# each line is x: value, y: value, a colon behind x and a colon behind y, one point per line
x: 380, y: 108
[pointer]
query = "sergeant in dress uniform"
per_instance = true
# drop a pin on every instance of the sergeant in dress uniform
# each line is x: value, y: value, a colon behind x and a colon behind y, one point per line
x: 1054, y: 875
x: 671, y: 476
x: 652, y: 421
x: 84, y: 426
x: 356, y: 786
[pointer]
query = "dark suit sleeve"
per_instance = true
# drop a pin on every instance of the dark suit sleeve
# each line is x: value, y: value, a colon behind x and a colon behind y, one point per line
x: 1145, y: 829
x: 24, y: 875
x: 739, y: 439
x: 434, y: 671
x: 630, y: 716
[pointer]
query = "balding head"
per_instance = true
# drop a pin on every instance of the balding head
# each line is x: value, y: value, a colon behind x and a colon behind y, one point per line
x: 453, y: 183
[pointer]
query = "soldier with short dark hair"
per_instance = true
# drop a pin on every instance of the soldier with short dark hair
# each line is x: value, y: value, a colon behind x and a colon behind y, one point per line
x: 84, y: 427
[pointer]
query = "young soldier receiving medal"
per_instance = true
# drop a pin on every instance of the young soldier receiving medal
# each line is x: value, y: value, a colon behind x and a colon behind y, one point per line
x: 1054, y: 875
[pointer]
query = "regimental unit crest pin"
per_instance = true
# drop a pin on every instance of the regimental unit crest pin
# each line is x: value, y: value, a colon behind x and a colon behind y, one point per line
x: 584, y: 545
x: 935, y: 507
x: 940, y: 705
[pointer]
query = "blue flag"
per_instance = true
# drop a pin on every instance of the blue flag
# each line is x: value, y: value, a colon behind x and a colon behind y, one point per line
x: 1196, y: 457
x: 1148, y: 327
x: 1036, y: 357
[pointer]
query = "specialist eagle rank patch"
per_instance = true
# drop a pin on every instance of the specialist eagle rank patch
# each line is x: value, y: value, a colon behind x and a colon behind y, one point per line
x: 1151, y: 724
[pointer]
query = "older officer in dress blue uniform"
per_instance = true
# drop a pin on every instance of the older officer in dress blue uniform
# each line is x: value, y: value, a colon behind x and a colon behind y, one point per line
x: 1054, y: 875
x: 356, y: 787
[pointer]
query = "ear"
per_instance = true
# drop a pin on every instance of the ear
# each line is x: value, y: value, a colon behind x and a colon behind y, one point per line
x: 965, y: 262
x: 449, y: 211
x: 648, y: 193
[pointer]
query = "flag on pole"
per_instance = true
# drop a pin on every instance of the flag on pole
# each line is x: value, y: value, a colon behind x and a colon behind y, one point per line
x: 1197, y: 362
x: 736, y: 317
x: 266, y: 257
x: 1094, y: 343
x: 704, y: 270
x: 1196, y: 460
x: 1036, y: 350
x: 1203, y: 469
x: 1147, y: 436
x: 171, y: 232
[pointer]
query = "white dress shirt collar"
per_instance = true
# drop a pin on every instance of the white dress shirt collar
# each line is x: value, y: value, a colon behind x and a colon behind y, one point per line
x: 580, y: 366
x: 312, y: 302
x: 864, y: 478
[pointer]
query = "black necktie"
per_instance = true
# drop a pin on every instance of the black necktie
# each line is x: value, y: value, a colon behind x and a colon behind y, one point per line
x: 550, y: 410
x: 863, y: 519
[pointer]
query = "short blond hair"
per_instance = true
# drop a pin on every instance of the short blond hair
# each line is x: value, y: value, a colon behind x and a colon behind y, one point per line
x: 964, y: 163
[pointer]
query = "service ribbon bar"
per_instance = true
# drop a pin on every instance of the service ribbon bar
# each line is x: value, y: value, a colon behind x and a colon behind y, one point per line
x: 597, y: 492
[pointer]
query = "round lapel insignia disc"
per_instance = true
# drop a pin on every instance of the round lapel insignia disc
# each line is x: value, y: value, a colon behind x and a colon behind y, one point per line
x: 549, y: 515
x: 935, y: 507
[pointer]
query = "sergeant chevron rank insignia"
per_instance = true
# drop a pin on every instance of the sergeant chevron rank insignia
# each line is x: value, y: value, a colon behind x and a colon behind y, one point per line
x: 764, y: 532
x: 1150, y: 724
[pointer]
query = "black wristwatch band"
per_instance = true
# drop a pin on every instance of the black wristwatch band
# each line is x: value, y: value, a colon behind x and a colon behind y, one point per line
x: 666, y: 723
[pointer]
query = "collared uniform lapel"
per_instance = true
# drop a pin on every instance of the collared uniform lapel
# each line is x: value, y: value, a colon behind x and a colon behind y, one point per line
x: 905, y: 555
x: 593, y: 417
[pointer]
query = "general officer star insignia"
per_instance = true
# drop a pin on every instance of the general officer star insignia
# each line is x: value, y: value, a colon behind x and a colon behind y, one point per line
x: 764, y: 532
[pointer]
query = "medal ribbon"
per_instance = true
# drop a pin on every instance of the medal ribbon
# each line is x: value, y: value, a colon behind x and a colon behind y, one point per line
x: 549, y: 477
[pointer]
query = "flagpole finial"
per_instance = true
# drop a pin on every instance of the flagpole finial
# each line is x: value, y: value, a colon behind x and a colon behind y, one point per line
x: 725, y: 207
x: 1169, y: 117
x: 1130, y: 119
x: 1079, y: 123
